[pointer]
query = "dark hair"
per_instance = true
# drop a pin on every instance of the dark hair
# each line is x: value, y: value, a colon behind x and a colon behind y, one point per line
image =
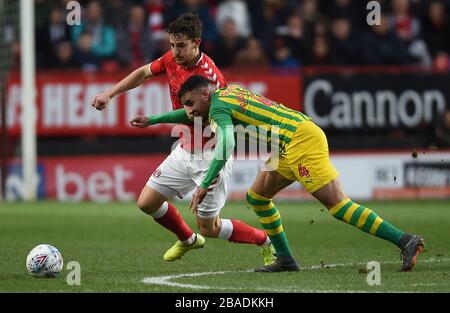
x: 186, y: 24
x: 192, y: 83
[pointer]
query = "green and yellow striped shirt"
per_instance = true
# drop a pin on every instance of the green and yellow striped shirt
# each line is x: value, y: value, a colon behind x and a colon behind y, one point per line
x: 248, y: 108
x: 233, y: 106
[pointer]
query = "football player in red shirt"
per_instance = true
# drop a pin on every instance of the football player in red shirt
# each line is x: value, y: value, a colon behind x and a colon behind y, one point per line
x: 185, y: 167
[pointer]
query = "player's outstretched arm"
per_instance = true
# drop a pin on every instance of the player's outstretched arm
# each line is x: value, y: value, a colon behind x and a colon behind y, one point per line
x: 134, y: 79
x: 140, y: 121
x: 174, y: 117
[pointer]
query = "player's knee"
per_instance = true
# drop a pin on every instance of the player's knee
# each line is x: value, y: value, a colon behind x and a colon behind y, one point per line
x: 143, y: 206
x: 150, y: 201
x: 146, y: 206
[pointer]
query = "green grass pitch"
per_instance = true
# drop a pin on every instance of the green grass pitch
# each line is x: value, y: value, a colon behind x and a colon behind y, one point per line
x: 118, y: 247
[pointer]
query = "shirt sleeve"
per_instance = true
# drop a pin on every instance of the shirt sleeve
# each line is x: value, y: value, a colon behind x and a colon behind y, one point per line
x: 176, y: 117
x: 222, y: 125
x: 159, y: 66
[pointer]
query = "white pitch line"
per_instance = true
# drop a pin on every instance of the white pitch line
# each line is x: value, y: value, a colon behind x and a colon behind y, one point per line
x: 315, y: 267
x: 167, y: 279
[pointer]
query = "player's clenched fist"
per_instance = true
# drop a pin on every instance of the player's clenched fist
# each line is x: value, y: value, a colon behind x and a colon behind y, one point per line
x: 101, y: 101
x: 140, y: 121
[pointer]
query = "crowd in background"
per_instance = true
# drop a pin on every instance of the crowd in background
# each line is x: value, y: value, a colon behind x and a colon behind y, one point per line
x: 118, y: 34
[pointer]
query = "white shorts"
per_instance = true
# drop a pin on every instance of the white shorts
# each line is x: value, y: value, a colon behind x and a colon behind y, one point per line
x: 181, y: 172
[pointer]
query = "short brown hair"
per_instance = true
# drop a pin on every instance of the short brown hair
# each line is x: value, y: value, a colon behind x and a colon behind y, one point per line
x: 187, y: 24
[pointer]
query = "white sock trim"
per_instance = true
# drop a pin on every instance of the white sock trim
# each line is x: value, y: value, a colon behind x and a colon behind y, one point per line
x: 226, y: 229
x: 190, y: 240
x: 266, y: 243
x: 161, y: 211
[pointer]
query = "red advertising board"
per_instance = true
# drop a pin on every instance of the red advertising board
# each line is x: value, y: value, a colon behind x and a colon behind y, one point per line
x: 63, y: 101
x: 90, y: 178
x: 388, y: 175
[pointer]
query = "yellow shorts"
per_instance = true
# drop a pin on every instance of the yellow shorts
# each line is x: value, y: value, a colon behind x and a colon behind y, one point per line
x: 306, y: 158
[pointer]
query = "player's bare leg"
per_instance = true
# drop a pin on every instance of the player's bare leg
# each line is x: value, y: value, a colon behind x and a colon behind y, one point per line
x: 238, y: 232
x: 342, y: 208
x: 266, y: 185
x: 209, y: 227
x: 155, y: 204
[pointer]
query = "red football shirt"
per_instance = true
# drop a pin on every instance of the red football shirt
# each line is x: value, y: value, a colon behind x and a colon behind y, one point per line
x: 177, y: 75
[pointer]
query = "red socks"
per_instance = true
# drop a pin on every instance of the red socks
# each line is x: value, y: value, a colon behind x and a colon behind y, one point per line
x: 169, y: 217
x: 231, y: 230
x: 243, y: 233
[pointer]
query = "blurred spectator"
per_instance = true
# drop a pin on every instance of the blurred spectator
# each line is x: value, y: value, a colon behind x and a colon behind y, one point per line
x: 293, y: 34
x: 42, y: 10
x: 155, y: 10
x: 344, y: 46
x: 407, y: 28
x: 282, y: 55
x: 310, y: 10
x: 116, y: 12
x: 209, y: 32
x: 321, y: 27
x: 405, y: 25
x: 227, y: 44
x: 235, y: 10
x: 442, y: 63
x: 320, y: 52
x: 252, y: 55
x: 418, y: 52
x: 382, y: 46
x: 348, y: 9
x: 64, y: 56
x: 266, y: 17
x: 103, y: 36
x: 84, y: 55
x: 161, y: 46
x: 439, y: 132
x: 437, y: 29
x: 289, y: 31
x: 134, y: 46
x: 314, y: 22
x: 15, y: 54
x: 54, y: 30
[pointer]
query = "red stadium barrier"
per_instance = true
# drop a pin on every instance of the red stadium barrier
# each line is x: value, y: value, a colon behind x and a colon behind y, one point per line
x: 63, y: 101
x: 387, y: 175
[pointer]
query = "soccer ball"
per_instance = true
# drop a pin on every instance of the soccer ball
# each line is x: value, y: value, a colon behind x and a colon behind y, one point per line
x: 44, y: 261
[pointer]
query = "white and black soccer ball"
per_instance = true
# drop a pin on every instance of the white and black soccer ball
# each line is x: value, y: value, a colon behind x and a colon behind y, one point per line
x: 44, y: 261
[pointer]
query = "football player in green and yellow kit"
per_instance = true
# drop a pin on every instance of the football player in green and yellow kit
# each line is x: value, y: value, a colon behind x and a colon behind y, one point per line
x: 302, y: 156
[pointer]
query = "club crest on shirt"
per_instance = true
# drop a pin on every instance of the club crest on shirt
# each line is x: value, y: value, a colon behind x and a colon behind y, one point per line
x: 242, y: 102
x: 157, y: 173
